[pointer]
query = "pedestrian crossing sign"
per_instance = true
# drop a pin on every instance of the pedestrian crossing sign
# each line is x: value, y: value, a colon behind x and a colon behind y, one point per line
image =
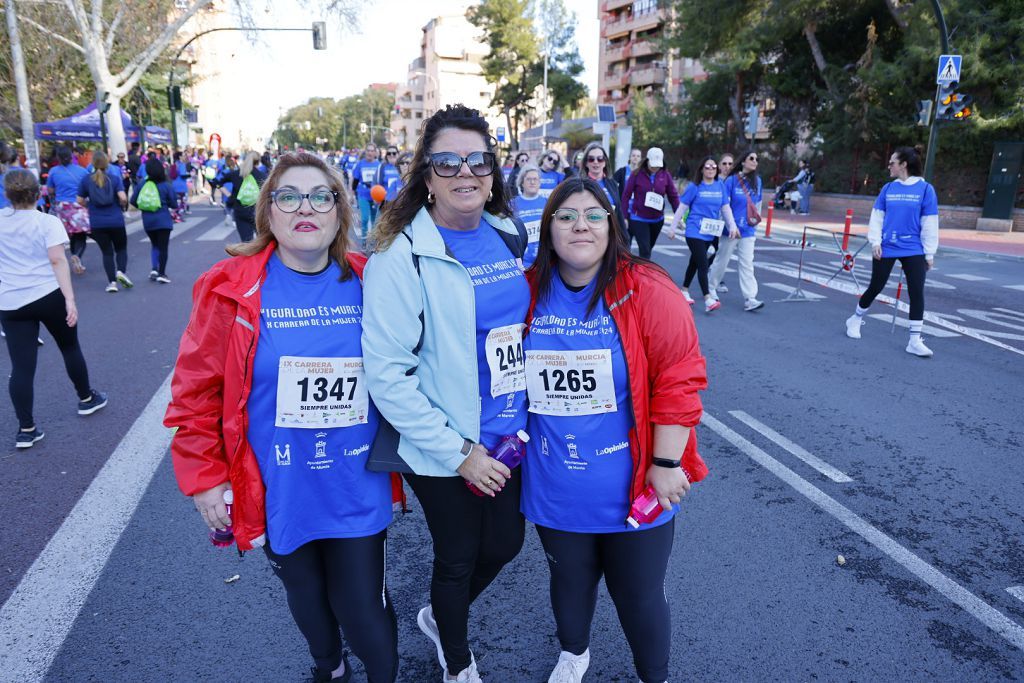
x: 949, y: 69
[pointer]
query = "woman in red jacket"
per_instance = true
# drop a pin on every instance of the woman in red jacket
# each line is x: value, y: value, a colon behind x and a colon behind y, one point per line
x: 613, y: 371
x: 270, y: 404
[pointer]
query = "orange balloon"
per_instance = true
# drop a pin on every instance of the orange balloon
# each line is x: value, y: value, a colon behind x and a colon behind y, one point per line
x: 378, y: 193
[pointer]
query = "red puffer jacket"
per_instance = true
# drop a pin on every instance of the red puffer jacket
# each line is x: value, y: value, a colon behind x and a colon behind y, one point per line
x: 211, y: 385
x: 663, y: 359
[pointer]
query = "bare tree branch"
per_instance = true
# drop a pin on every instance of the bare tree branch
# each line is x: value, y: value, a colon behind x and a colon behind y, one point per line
x: 77, y: 12
x: 819, y: 59
x: 114, y: 25
x: 97, y: 17
x: 39, y: 27
x: 136, y: 67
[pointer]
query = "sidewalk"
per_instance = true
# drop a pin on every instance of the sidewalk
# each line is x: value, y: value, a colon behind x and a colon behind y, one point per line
x: 1002, y: 243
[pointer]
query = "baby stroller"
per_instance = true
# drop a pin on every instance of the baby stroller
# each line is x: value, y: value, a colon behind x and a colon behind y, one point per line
x: 781, y: 192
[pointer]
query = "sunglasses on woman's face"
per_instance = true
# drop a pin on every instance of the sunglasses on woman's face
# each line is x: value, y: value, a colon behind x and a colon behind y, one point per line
x: 448, y: 164
x: 594, y: 160
x: 709, y: 167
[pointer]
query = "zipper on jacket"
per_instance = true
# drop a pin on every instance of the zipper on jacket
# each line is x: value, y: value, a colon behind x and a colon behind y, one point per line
x: 632, y: 411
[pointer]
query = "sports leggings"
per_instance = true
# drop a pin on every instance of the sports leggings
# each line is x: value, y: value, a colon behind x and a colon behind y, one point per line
x: 646, y: 235
x: 334, y: 582
x: 633, y: 564
x: 78, y: 240
x: 698, y: 264
x: 22, y: 329
x: 474, y: 537
x: 114, y: 245
x: 914, y: 267
x: 161, y: 240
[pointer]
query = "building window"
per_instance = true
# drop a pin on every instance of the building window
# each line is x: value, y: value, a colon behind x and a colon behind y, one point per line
x: 419, y: 98
x: 419, y: 115
x: 641, y: 7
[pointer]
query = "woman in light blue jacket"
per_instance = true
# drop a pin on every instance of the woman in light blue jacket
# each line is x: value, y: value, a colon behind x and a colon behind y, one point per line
x: 445, y: 304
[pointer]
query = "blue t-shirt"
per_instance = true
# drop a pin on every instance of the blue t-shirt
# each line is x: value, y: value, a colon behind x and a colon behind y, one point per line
x: 705, y: 201
x: 366, y: 173
x: 3, y: 197
x: 109, y: 216
x: 180, y: 184
x: 578, y: 467
x: 64, y: 181
x: 549, y: 180
x: 316, y: 477
x: 502, y: 299
x: 161, y: 218
x: 529, y: 212
x: 394, y: 187
x: 904, y: 205
x: 386, y: 174
x: 738, y: 202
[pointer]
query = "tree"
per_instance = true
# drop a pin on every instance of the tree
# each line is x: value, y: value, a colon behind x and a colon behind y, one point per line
x: 336, y: 121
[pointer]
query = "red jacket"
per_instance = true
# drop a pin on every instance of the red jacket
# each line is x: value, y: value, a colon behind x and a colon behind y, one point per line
x: 663, y: 360
x: 211, y: 385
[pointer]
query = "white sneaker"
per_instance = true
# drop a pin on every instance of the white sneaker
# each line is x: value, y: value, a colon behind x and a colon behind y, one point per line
x: 112, y: 288
x: 153, y: 275
x: 123, y: 279
x: 689, y: 299
x: 570, y: 668
x: 467, y: 675
x: 752, y: 305
x: 425, y: 620
x: 711, y: 305
x: 853, y: 324
x: 722, y: 288
x: 916, y: 346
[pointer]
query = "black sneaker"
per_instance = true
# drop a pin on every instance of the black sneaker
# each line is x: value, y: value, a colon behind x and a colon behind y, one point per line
x: 28, y: 439
x: 96, y: 400
x: 321, y: 676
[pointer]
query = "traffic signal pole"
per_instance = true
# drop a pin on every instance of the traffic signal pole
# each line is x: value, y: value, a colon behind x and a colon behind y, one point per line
x: 933, y: 133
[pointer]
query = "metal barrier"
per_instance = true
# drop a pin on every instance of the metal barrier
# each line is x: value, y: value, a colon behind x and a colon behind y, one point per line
x: 847, y: 259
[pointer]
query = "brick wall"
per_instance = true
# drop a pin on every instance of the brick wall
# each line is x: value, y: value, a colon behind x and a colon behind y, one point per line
x: 958, y: 217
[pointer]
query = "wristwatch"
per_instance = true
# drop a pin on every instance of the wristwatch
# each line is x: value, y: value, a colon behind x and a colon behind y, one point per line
x: 665, y: 462
x: 467, y: 446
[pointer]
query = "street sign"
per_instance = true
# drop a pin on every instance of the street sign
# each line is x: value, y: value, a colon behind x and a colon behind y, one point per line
x: 949, y: 69
x: 501, y: 134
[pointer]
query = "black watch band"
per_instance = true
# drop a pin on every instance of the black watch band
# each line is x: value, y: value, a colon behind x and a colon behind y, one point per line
x: 665, y: 462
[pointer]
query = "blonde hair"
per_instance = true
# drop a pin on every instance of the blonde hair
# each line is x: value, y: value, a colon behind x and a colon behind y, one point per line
x: 100, y: 162
x: 251, y: 160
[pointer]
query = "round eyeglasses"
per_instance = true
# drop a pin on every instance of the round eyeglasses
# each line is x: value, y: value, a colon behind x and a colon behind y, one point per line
x: 448, y: 164
x: 566, y: 219
x: 288, y: 199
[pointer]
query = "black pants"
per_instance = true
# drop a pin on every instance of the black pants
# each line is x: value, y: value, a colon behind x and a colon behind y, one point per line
x: 914, y: 267
x: 698, y: 264
x: 161, y: 240
x: 711, y: 259
x: 474, y: 537
x: 336, y: 582
x: 646, y: 235
x: 22, y: 329
x: 114, y: 245
x: 633, y: 565
x: 78, y: 241
x: 245, y: 224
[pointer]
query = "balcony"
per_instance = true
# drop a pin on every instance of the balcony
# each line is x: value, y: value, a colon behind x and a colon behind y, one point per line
x: 646, y: 21
x: 616, y: 27
x: 613, y: 81
x: 643, y: 48
x: 647, y: 76
x: 611, y: 5
x: 618, y: 53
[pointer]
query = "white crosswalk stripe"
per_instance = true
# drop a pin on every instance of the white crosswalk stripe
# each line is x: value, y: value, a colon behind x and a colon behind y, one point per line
x: 218, y: 233
x: 904, y: 323
x: 1019, y: 288
x: 967, y: 277
x: 789, y: 290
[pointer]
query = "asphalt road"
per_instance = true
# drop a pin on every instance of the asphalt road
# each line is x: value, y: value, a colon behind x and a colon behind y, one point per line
x: 819, y: 446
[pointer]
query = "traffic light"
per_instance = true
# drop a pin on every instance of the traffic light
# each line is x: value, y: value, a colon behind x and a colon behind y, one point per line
x: 174, y: 98
x: 319, y: 35
x: 953, y: 106
x: 924, y: 112
x: 962, y: 107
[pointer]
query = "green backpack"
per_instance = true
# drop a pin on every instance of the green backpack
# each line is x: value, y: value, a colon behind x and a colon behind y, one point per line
x: 149, y: 197
x: 248, y: 191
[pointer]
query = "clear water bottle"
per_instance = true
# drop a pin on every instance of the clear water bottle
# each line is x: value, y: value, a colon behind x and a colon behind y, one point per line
x: 645, y: 509
x: 510, y: 451
x: 222, y: 538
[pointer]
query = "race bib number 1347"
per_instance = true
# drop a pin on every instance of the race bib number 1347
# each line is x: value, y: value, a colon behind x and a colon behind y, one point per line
x: 321, y: 392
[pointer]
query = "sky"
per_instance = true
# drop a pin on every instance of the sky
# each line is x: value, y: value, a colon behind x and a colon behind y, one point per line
x: 379, y: 51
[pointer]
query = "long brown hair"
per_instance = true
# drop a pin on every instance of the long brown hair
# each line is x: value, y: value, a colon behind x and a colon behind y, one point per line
x: 413, y: 195
x: 616, y: 256
x: 100, y: 162
x: 339, y: 247
x: 583, y: 160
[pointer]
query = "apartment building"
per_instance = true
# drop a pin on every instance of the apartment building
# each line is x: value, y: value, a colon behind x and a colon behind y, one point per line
x: 447, y: 70
x: 631, y: 63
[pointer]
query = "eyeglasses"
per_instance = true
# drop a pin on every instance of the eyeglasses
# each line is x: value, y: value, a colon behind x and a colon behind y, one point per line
x: 594, y: 159
x: 288, y: 199
x: 595, y: 217
x: 406, y: 162
x: 391, y: 154
x: 448, y: 164
x: 710, y: 167
x: 551, y: 159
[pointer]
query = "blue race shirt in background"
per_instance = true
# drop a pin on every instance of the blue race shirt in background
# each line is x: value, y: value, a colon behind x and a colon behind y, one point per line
x: 316, y: 477
x: 3, y: 197
x: 64, y: 181
x: 366, y: 173
x: 387, y: 174
x: 502, y: 299
x: 903, y: 206
x: 705, y: 201
x: 109, y: 216
x: 549, y: 180
x: 738, y: 201
x: 529, y: 211
x: 578, y: 468
x: 394, y: 187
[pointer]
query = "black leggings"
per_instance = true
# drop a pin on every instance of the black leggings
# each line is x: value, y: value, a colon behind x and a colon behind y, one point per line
x: 698, y: 264
x: 161, y: 240
x: 22, y: 329
x: 474, y: 537
x: 646, y: 235
x: 633, y: 565
x: 711, y: 259
x: 114, y: 245
x: 245, y: 225
x: 914, y: 267
x: 78, y: 241
x: 334, y: 582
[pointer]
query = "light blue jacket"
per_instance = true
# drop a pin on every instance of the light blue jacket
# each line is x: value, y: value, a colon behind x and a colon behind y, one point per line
x: 433, y: 399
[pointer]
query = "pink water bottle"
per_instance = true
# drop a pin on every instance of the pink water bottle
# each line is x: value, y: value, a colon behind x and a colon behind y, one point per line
x: 510, y: 451
x: 645, y: 509
x: 222, y: 538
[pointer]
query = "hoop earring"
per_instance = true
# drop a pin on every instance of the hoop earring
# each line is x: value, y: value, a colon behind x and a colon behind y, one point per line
x: 490, y: 196
x: 430, y: 197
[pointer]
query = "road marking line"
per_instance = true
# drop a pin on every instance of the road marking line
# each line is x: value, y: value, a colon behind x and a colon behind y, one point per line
x: 789, y: 290
x: 669, y: 249
x: 981, y: 610
x: 817, y: 463
x: 1016, y: 591
x: 904, y: 323
x: 39, y: 614
x: 1019, y: 288
x: 1008, y: 310
x: 218, y: 233
x: 968, y: 277
x: 850, y: 289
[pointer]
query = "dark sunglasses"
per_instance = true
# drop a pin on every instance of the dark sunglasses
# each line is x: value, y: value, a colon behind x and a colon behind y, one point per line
x: 391, y: 154
x: 594, y: 159
x: 448, y: 164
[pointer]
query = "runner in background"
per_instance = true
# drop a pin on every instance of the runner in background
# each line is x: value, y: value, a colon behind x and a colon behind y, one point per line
x: 154, y: 197
x: 522, y: 159
x: 550, y: 175
x: 245, y: 181
x: 744, y: 189
x: 528, y: 206
x: 63, y: 183
x: 618, y: 322
x: 904, y: 227
x: 622, y: 175
x: 646, y: 192
x: 594, y: 165
x: 364, y: 175
x: 395, y: 186
x: 103, y: 193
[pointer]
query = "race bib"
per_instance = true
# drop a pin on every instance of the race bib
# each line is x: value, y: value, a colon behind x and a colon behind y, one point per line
x: 314, y: 393
x: 368, y: 175
x: 570, y: 382
x: 711, y: 226
x: 532, y: 231
x: 653, y: 200
x: 504, y: 349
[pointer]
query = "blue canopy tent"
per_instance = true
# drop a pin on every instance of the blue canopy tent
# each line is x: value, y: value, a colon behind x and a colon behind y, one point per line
x: 85, y: 125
